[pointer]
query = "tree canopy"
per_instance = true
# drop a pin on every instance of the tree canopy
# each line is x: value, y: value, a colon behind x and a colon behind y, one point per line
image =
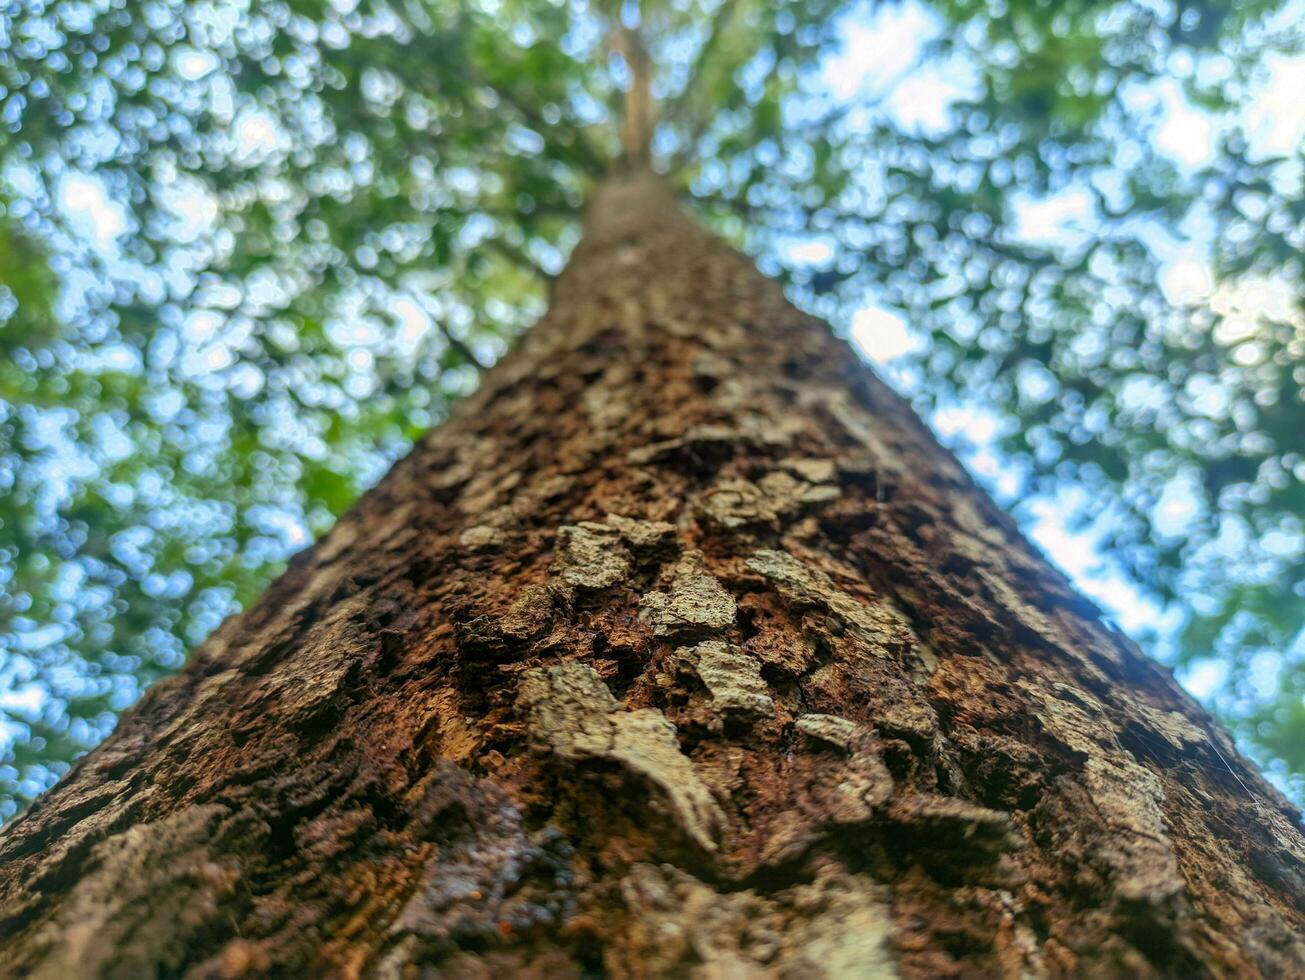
x: 312, y: 224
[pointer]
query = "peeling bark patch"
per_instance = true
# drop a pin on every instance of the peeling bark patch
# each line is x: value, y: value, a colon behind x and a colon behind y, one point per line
x: 572, y: 714
x: 830, y: 729
x: 946, y: 821
x: 837, y: 926
x: 773, y: 501
x: 481, y: 537
x: 863, y: 786
x: 529, y: 613
x: 590, y: 556
x: 848, y: 937
x: 649, y: 540
x: 812, y: 469
x: 732, y: 677
x: 706, y: 445
x: 702, y: 444
x: 1139, y: 852
x: 735, y: 503
x: 1173, y: 728
x: 697, y: 603
x: 495, y: 636
x: 861, y: 783
x: 1136, y: 848
x: 882, y: 629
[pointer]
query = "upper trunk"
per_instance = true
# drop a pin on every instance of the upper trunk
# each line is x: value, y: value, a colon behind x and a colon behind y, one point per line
x: 682, y: 647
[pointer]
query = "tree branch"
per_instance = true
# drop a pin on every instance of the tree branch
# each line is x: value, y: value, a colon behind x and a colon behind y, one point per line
x: 519, y: 256
x: 589, y: 158
x: 719, y: 23
x: 639, y: 112
x: 460, y: 345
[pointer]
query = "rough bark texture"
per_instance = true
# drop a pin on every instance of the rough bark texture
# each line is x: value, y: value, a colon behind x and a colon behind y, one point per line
x: 683, y: 649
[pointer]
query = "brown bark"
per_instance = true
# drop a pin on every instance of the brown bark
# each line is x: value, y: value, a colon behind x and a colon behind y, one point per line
x: 682, y: 649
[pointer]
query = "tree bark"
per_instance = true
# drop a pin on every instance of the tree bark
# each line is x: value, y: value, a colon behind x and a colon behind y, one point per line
x: 681, y: 649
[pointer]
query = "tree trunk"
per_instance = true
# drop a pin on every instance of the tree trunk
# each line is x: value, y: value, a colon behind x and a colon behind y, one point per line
x: 681, y: 649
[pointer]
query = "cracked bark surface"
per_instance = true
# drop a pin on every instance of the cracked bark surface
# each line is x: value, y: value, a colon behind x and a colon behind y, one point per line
x: 681, y: 649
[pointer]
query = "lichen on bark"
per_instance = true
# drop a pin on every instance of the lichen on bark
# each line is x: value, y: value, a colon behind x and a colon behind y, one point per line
x: 733, y: 678
x: 695, y: 605
x: 573, y: 715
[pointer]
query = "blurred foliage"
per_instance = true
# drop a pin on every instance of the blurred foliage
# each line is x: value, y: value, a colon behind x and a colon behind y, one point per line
x: 248, y: 251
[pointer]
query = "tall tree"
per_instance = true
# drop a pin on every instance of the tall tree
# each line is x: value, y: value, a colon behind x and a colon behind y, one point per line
x: 681, y: 648
x: 317, y: 219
